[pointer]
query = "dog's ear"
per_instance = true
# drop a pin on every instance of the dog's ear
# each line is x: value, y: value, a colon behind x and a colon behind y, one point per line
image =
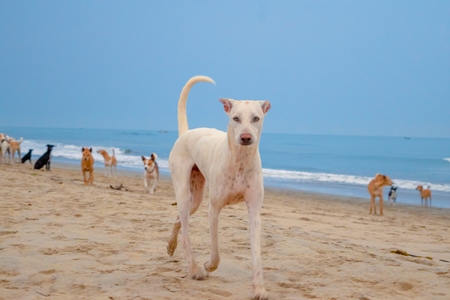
x: 82, y: 149
x: 153, y: 156
x: 265, y: 106
x: 143, y: 158
x: 90, y: 149
x: 227, y: 104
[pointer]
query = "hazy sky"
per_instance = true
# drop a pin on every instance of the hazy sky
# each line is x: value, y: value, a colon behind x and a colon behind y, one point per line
x: 327, y: 67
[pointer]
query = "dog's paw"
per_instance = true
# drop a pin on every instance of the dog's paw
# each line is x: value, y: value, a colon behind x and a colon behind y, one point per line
x: 198, y: 273
x: 261, y: 294
x: 171, y: 247
x: 209, y: 267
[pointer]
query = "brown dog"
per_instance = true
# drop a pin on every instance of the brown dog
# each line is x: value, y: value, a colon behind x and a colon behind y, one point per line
x: 375, y: 189
x: 15, y: 147
x: 424, y: 194
x: 87, y: 165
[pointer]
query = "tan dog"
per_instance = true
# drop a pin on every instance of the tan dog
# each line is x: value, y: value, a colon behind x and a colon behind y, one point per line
x: 424, y: 194
x: 87, y: 165
x: 375, y: 189
x: 151, y: 173
x: 110, y: 162
x: 14, y: 147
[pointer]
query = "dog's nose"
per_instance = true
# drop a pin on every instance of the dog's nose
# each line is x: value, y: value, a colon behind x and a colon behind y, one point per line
x: 246, y: 139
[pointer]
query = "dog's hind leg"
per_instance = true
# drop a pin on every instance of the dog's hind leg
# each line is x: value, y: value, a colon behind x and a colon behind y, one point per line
x: 189, y: 197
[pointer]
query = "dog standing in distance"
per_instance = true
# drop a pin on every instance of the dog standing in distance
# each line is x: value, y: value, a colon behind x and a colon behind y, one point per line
x: 151, y: 172
x: 45, y: 159
x: 229, y: 162
x: 110, y: 162
x: 424, y: 194
x: 392, y: 196
x: 5, y: 150
x: 87, y: 165
x: 375, y: 189
x: 15, y: 147
x: 27, y: 157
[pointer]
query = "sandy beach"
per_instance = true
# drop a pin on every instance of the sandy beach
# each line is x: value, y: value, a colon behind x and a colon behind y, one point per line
x: 60, y: 239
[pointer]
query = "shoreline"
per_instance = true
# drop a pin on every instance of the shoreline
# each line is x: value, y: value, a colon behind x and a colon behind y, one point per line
x: 268, y: 187
x: 60, y: 239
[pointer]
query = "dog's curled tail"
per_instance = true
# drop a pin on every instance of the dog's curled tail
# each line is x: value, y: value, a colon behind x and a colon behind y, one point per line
x: 114, y: 153
x: 182, y: 116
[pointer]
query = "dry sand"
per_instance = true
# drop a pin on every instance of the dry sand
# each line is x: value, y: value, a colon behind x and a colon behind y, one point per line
x: 60, y: 239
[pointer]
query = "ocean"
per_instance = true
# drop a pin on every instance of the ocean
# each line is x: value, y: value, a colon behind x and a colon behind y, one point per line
x: 338, y: 165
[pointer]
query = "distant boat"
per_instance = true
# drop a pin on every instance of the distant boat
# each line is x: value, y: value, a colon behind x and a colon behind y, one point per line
x: 163, y: 131
x: 406, y: 137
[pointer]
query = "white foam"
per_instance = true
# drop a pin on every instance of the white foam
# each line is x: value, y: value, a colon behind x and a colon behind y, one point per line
x: 346, y: 179
x: 73, y: 152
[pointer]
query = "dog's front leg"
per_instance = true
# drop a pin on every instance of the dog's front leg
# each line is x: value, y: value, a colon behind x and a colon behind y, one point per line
x: 153, y: 186
x: 213, y: 214
x: 381, y: 204
x: 254, y: 205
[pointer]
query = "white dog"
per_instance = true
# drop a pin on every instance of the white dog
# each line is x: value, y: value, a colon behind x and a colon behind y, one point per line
x: 5, y: 145
x: 230, y: 163
x: 151, y: 172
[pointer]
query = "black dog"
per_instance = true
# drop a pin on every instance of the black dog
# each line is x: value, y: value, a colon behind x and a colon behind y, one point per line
x: 392, y: 195
x: 44, y: 160
x: 27, y: 157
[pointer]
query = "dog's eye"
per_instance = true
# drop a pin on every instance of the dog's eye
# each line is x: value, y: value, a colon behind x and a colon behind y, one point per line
x: 236, y: 119
x: 255, y: 119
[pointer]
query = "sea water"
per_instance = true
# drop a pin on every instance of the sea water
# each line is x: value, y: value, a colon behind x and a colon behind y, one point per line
x: 340, y: 165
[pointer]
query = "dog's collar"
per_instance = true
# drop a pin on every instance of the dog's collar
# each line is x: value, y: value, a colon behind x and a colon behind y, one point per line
x: 153, y: 169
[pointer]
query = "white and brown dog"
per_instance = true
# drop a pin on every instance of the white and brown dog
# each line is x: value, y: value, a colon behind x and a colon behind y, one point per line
x: 229, y: 162
x: 151, y: 172
x: 110, y: 162
x: 87, y: 165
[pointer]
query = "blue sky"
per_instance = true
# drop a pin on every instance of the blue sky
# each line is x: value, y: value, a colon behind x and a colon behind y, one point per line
x: 327, y: 67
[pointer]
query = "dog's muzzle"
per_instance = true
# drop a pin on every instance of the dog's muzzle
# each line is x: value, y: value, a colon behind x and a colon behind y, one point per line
x: 246, y: 139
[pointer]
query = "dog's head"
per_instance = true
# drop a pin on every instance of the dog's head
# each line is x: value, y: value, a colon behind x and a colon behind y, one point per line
x: 246, y: 119
x: 419, y: 188
x: 149, y: 163
x: 101, y: 152
x: 394, y: 188
x: 87, y: 153
x: 50, y: 147
x: 383, y: 180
